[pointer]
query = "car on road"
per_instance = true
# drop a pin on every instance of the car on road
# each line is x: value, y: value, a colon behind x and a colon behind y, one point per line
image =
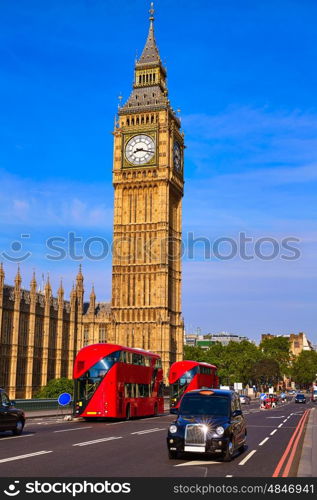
x: 244, y: 399
x: 314, y: 394
x: 208, y: 421
x: 300, y: 398
x: 11, y: 418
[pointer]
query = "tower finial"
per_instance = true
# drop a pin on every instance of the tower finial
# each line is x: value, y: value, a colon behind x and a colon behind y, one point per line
x: 151, y: 12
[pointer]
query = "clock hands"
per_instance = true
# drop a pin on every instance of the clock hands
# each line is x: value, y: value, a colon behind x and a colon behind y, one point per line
x: 141, y: 149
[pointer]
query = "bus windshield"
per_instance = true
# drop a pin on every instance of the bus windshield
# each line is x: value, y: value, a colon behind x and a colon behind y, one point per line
x: 197, y: 404
x: 179, y: 387
x: 86, y: 385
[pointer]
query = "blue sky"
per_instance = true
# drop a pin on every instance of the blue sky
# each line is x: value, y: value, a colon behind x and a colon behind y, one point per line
x: 244, y: 76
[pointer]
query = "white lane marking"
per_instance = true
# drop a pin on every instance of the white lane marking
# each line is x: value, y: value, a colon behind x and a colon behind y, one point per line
x: 16, y: 437
x: 20, y: 457
x: 264, y: 441
x: 284, y: 420
x: 197, y: 462
x: 228, y: 475
x: 273, y: 432
x: 282, y: 416
x: 74, y: 429
x: 148, y: 431
x: 247, y: 457
x: 95, y: 441
x: 279, y: 426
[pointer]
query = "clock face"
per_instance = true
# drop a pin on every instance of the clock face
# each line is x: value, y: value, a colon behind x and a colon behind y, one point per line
x: 177, y: 156
x: 140, y: 149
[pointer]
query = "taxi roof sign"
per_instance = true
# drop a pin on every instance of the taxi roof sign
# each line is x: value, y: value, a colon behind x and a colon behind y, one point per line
x: 206, y: 393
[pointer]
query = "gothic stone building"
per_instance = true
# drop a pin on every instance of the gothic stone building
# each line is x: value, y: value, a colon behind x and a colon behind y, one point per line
x: 40, y: 335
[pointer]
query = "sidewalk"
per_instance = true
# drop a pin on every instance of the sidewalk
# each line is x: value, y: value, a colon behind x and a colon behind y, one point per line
x: 46, y: 413
x: 308, y: 466
x: 62, y: 413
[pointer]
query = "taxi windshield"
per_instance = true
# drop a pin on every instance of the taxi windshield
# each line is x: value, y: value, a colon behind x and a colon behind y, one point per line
x: 198, y: 404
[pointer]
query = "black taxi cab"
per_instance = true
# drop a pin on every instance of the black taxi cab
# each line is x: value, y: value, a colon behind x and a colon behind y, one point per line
x: 11, y: 418
x: 208, y: 421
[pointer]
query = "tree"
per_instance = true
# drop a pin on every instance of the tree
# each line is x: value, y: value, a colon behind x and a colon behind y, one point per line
x: 234, y: 361
x: 194, y: 353
x: 304, y: 368
x: 55, y: 387
x: 266, y: 372
x: 278, y: 348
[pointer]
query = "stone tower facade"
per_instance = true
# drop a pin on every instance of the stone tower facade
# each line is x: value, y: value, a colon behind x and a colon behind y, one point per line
x: 40, y: 334
x: 148, y: 188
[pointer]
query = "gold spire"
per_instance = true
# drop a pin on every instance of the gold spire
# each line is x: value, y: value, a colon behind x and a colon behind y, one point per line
x: 92, y: 293
x: 1, y: 271
x: 60, y: 290
x: 151, y: 12
x: 18, y: 279
x: 48, y: 287
x: 33, y: 283
x: 73, y: 292
x: 79, y: 277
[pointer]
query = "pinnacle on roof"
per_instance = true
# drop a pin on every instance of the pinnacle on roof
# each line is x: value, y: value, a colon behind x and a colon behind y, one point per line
x: 48, y: 288
x: 33, y: 283
x: 61, y: 289
x: 92, y: 294
x: 150, y: 54
x: 1, y: 271
x: 18, y: 279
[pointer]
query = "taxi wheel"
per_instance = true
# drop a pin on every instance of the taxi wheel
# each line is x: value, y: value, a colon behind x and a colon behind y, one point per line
x: 229, y: 451
x: 172, y: 455
x: 18, y: 428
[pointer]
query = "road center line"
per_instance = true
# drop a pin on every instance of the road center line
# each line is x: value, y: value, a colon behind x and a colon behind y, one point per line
x: 247, y: 457
x: 95, y: 441
x: 264, y: 441
x: 16, y: 437
x: 279, y: 426
x: 20, y: 457
x: 147, y: 431
x: 273, y: 432
x: 197, y: 462
x: 74, y: 429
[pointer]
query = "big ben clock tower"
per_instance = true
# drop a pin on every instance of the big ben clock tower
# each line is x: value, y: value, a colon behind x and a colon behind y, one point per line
x: 148, y: 179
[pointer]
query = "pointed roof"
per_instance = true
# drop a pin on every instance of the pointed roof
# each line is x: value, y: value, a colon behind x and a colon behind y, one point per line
x: 150, y: 54
x: 92, y: 293
x: 79, y: 277
x: 48, y: 288
x: 1, y: 271
x: 33, y: 283
x: 60, y: 290
x: 18, y: 279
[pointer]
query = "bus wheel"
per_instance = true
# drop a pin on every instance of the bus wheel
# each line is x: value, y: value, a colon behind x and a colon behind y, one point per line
x: 127, y: 413
x: 155, y: 410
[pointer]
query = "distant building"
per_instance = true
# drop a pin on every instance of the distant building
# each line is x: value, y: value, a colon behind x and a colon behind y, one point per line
x: 190, y: 339
x: 205, y: 341
x: 298, y: 342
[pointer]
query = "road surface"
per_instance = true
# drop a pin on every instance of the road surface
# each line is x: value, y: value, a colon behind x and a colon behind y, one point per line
x: 51, y: 447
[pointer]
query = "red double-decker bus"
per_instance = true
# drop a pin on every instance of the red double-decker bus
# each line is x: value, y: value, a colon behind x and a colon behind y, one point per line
x: 188, y: 375
x: 118, y: 382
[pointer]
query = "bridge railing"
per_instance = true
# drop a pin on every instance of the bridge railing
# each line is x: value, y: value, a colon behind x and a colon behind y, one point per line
x: 38, y: 404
